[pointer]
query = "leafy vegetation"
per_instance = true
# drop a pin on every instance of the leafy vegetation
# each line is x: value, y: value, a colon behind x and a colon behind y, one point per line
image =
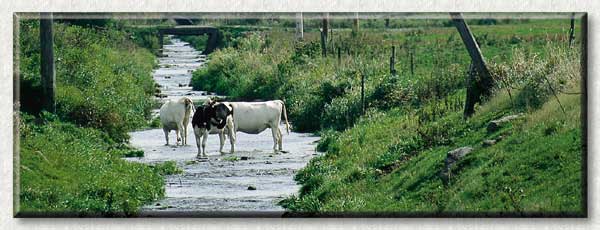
x: 71, y: 162
x: 103, y: 79
x: 386, y: 154
x: 324, y: 92
x: 68, y: 170
x: 392, y: 162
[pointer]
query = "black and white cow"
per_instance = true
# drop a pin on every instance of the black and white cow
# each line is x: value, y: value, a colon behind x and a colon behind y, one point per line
x: 205, y: 122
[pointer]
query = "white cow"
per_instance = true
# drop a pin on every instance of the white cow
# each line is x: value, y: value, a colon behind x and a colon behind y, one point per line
x: 175, y: 115
x: 204, y: 122
x: 253, y: 118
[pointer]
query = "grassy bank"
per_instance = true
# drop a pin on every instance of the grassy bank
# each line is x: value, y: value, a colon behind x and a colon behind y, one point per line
x: 71, y: 162
x: 390, y: 158
x: 393, y: 162
x: 324, y: 92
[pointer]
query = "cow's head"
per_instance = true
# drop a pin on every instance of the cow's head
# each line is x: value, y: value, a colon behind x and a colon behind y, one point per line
x: 221, y: 111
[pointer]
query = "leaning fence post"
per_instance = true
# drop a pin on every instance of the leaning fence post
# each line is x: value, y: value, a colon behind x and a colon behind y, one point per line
x: 572, y: 30
x: 479, y: 64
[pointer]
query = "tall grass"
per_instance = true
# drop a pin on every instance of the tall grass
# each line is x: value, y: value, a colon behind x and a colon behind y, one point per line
x: 67, y: 170
x: 71, y: 162
x: 391, y: 162
x: 103, y: 78
x: 324, y: 92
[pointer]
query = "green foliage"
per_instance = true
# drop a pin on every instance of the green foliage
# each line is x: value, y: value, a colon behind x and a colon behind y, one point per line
x: 390, y: 161
x: 198, y: 42
x: 240, y: 73
x: 146, y: 38
x: 70, y: 162
x: 103, y: 79
x: 65, y: 169
x: 231, y: 158
x: 167, y: 168
x: 534, y: 79
x: 328, y: 137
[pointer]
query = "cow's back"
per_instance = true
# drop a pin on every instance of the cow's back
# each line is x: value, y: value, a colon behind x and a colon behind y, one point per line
x: 255, y: 117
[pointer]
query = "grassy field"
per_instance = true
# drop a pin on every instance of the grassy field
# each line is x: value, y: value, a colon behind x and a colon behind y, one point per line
x: 389, y: 159
x: 71, y: 162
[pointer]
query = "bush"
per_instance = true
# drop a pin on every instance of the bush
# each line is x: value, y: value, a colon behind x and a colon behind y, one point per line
x: 534, y: 78
x: 103, y: 79
x: 342, y: 112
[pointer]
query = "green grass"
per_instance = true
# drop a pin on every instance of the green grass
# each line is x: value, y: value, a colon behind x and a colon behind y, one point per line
x: 389, y: 161
x: 103, y: 77
x: 68, y: 170
x: 231, y: 158
x: 324, y: 92
x: 384, y: 165
x: 71, y: 162
x: 167, y: 168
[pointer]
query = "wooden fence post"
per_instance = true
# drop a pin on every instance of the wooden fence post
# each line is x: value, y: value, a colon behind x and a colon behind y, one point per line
x: 393, y: 61
x: 339, y: 55
x: 299, y: 26
x: 47, y: 63
x: 324, y: 30
x: 355, y: 25
x: 479, y: 88
x: 572, y: 30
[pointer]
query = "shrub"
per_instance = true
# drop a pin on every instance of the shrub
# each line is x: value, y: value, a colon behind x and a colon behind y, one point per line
x: 534, y: 78
x: 103, y: 79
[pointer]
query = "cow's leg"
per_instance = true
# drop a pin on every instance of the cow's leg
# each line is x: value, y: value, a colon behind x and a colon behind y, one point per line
x: 231, y: 139
x: 166, y: 136
x: 184, y: 136
x: 198, y: 134
x: 221, y: 140
x: 275, y: 139
x: 204, y: 137
x: 279, y: 139
x: 178, y: 131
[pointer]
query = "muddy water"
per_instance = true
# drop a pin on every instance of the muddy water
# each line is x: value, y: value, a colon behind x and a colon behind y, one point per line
x: 222, y: 185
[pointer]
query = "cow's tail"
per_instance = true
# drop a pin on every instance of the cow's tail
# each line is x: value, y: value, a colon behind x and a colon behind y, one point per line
x: 287, y: 125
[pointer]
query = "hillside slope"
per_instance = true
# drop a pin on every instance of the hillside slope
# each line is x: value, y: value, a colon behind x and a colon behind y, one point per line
x: 394, y: 163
